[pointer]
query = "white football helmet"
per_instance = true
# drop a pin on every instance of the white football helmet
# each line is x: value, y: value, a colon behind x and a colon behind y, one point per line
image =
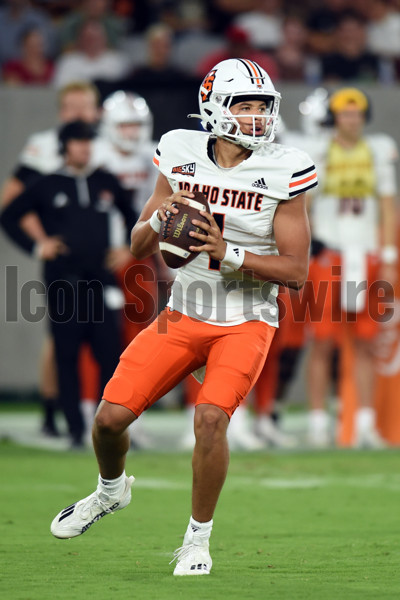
x: 228, y: 81
x: 125, y: 108
x: 313, y: 112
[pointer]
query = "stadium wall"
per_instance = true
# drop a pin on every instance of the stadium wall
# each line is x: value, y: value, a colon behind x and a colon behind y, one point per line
x: 25, y: 111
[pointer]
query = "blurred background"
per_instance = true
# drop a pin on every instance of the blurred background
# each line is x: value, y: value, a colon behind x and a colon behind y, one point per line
x: 161, y: 50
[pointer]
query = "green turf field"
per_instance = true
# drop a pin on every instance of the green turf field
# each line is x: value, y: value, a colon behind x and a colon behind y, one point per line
x: 288, y: 526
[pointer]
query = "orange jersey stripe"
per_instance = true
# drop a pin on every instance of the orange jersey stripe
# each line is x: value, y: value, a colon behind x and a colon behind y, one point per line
x: 156, y: 161
x: 296, y: 183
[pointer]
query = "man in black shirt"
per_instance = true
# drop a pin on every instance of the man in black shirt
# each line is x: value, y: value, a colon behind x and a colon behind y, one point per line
x: 79, y: 210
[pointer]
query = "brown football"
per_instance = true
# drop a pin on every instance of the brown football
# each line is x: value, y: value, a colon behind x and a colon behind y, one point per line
x: 174, y: 238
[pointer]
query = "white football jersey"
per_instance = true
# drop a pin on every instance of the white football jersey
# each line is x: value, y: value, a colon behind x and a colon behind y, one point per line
x: 136, y: 172
x: 243, y: 201
x: 41, y: 152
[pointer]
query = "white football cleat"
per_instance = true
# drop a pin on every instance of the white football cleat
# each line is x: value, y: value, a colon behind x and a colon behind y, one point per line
x: 369, y: 440
x: 319, y: 440
x: 193, y: 559
x: 77, y: 518
x: 239, y: 434
x: 268, y: 431
x: 319, y: 429
x: 244, y: 441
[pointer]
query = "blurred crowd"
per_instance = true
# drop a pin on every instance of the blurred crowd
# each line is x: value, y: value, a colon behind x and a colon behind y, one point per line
x: 51, y: 42
x: 122, y: 49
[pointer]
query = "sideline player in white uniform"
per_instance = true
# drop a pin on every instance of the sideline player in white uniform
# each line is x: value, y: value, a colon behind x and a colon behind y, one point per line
x: 289, y: 342
x: 127, y: 128
x: 222, y: 313
x: 353, y: 218
x: 127, y: 152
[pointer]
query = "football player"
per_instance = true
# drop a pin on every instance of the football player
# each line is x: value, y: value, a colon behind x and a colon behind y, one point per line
x: 127, y: 151
x: 356, y: 198
x: 126, y: 127
x: 222, y: 314
x: 289, y: 341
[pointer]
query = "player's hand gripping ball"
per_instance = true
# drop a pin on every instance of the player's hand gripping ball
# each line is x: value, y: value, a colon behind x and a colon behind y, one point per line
x: 174, y: 238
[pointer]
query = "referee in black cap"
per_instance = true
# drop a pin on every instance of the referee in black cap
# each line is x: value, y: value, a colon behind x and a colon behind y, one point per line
x: 80, y: 211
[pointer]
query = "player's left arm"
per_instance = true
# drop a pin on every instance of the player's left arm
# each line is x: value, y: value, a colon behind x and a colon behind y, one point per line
x: 389, y: 252
x: 292, y: 235
x: 386, y: 156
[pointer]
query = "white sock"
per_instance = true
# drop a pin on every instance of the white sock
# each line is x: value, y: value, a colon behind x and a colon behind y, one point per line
x: 238, y: 421
x: 365, y: 419
x: 318, y: 420
x: 112, y: 487
x: 202, y: 530
x: 88, y: 408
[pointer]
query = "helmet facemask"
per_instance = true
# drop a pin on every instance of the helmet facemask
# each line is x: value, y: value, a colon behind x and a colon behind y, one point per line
x: 122, y: 110
x: 230, y: 128
x: 129, y: 136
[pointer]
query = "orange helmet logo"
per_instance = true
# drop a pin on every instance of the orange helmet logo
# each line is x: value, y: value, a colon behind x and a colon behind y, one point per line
x: 207, y: 86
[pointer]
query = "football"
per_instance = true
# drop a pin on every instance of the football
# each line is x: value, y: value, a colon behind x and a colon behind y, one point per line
x: 174, y: 238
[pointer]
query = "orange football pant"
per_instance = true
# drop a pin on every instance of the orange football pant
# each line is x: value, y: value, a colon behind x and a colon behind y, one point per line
x: 327, y: 318
x: 174, y: 345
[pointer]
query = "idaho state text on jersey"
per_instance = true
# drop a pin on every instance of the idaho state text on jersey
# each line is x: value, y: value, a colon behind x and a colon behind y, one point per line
x: 226, y: 197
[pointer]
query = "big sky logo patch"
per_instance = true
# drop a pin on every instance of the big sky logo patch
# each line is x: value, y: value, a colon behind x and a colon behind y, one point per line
x: 188, y: 169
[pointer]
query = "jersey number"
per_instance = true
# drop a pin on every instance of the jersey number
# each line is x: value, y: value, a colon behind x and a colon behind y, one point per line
x: 351, y: 205
x: 215, y: 265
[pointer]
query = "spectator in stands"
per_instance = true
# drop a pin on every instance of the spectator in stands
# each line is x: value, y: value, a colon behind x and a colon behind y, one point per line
x: 158, y: 79
x: 158, y: 69
x: 92, y: 59
x: 238, y: 46
x: 383, y: 28
x: 193, y: 39
x: 291, y: 54
x: 322, y: 23
x: 264, y: 24
x: 351, y: 59
x: 221, y: 13
x: 33, y: 68
x: 137, y: 15
x: 15, y: 18
x: 91, y: 10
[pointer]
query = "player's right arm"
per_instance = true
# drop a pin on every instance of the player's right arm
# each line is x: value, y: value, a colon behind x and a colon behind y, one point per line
x: 144, y: 239
x: 13, y: 187
x: 14, y: 218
